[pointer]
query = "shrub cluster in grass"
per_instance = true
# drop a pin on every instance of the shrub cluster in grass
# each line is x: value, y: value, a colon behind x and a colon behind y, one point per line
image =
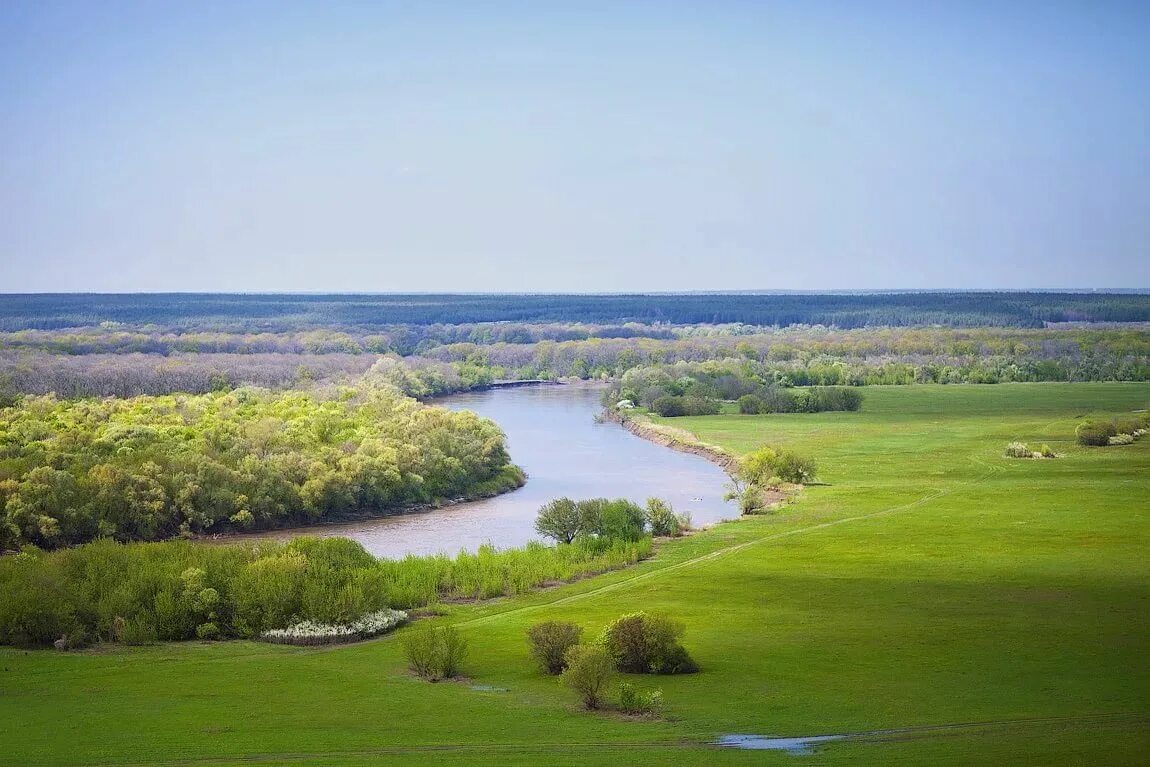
x: 148, y: 468
x: 1118, y: 431
x: 142, y: 592
x: 640, y: 643
x: 435, y: 652
x: 1022, y: 450
x: 566, y: 521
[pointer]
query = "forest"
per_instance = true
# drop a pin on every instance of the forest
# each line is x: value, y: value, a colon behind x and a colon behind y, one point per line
x: 148, y: 468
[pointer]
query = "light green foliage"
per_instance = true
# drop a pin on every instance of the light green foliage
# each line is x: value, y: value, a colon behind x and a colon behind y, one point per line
x: 155, y: 467
x: 590, y: 673
x: 634, y: 701
x: 663, y: 521
x: 434, y: 652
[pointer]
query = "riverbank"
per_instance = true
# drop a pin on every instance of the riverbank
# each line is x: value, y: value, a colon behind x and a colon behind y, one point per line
x: 669, y: 436
x: 686, y: 442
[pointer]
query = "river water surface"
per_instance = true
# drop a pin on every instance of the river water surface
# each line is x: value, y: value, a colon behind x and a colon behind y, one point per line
x: 552, y: 433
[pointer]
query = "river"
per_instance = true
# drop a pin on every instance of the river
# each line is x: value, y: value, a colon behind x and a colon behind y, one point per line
x: 552, y: 433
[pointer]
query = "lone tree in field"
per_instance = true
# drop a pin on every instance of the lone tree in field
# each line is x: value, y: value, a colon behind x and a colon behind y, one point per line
x: 560, y: 520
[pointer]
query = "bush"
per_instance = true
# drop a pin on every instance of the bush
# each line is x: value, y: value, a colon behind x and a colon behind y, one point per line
x: 590, y: 672
x: 435, y: 652
x: 1095, y: 433
x: 1122, y: 439
x: 672, y: 406
x: 634, y: 701
x: 791, y: 467
x: 550, y: 641
x: 1018, y: 450
x: 751, y: 404
x: 1046, y: 452
x: 642, y: 643
x: 621, y: 520
x: 663, y: 521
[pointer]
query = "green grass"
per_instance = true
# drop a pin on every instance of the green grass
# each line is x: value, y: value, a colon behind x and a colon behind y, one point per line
x: 931, y: 581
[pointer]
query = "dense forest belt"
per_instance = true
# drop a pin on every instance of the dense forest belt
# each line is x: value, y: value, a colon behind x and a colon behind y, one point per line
x: 270, y: 312
x: 149, y: 468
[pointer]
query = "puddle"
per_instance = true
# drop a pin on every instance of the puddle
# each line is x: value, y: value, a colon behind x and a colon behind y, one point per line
x: 798, y: 746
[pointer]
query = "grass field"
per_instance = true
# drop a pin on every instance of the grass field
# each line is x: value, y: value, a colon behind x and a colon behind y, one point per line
x: 986, y: 610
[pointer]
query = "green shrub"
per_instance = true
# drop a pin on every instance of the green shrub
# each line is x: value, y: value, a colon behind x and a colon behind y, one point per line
x: 435, y: 652
x: 663, y: 521
x: 751, y: 404
x: 635, y: 701
x: 590, y: 672
x: 672, y: 406
x: 550, y: 641
x: 1095, y: 433
x: 643, y: 643
x: 1047, y: 452
x: 794, y: 468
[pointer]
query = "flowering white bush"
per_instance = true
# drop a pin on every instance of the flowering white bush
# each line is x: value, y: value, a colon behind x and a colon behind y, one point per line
x: 1122, y: 439
x: 312, y: 633
x: 1018, y: 450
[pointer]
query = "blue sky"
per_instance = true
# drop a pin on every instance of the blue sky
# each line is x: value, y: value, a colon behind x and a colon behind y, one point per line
x: 582, y: 146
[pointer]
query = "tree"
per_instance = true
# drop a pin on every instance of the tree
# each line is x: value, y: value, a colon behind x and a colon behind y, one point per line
x: 559, y: 520
x: 590, y: 672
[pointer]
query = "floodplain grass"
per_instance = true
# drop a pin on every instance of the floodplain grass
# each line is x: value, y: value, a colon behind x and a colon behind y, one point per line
x: 929, y: 582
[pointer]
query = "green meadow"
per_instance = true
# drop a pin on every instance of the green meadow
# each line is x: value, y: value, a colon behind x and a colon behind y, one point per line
x: 952, y: 605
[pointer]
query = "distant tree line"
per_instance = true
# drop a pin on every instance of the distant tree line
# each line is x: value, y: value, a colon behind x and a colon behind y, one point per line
x: 687, y: 388
x: 293, y: 312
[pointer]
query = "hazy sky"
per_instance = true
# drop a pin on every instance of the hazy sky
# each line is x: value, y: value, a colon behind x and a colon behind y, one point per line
x: 581, y: 146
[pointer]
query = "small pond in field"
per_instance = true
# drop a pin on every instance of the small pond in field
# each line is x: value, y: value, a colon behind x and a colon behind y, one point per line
x: 552, y: 433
